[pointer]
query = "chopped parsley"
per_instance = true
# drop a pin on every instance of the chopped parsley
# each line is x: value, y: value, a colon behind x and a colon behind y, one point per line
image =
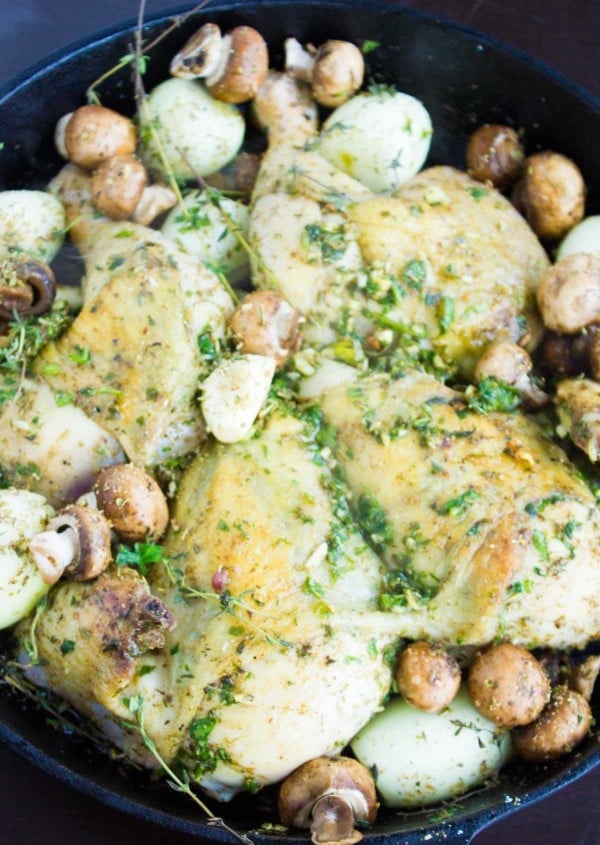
x: 491, y: 395
x: 140, y: 556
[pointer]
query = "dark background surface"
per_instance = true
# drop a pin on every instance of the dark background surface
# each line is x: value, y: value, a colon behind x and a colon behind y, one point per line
x: 35, y: 809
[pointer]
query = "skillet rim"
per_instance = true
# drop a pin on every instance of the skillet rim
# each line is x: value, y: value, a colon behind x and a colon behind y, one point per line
x: 460, y: 828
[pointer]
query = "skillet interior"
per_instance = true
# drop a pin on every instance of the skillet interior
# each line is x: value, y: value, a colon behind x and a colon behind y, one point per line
x: 464, y: 80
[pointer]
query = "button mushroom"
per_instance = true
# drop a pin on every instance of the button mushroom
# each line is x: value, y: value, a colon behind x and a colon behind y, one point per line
x: 509, y: 363
x: 427, y: 676
x: 551, y: 194
x: 76, y: 543
x: 266, y: 324
x: 495, y: 155
x: 562, y: 725
x: 95, y: 133
x: 335, y: 70
x: 133, y: 503
x: 329, y: 795
x: 233, y: 66
x: 117, y: 186
x: 508, y: 685
x: 569, y: 294
x: 567, y: 355
x: 27, y: 287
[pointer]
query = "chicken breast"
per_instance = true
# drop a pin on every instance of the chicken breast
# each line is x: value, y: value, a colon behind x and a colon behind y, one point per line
x: 486, y: 529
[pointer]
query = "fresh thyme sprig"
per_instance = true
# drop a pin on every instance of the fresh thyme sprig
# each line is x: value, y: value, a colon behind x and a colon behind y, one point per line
x: 130, y: 58
x: 30, y: 644
x: 134, y: 705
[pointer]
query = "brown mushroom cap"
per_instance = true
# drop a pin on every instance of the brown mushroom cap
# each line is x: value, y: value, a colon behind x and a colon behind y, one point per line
x: 551, y: 194
x: 245, y: 69
x: 495, y: 155
x: 567, y: 355
x: 427, y: 676
x: 338, y: 72
x: 91, y: 535
x: 117, y: 186
x: 133, y: 503
x: 569, y: 294
x: 327, y: 776
x: 27, y: 287
x: 95, y: 133
x: 562, y: 725
x: 508, y: 685
x: 266, y: 324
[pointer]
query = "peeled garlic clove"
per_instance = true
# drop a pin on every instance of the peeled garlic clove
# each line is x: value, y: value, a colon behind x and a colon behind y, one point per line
x: 233, y: 395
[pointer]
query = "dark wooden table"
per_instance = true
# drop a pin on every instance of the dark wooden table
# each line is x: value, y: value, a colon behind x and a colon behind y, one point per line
x: 34, y: 808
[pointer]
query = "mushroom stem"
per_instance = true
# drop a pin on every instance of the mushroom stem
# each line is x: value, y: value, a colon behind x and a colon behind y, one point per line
x: 333, y: 821
x: 298, y: 61
x: 53, y: 552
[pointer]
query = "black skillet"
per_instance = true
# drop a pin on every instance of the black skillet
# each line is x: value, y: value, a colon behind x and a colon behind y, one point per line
x: 464, y: 79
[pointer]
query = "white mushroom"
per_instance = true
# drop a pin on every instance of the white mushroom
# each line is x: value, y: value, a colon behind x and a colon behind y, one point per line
x: 76, y: 542
x: 335, y: 70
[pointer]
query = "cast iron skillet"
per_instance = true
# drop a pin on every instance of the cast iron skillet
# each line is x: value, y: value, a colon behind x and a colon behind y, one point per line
x: 464, y: 79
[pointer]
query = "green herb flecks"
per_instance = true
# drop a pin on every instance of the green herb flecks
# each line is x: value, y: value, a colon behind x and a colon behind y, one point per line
x: 373, y: 522
x: 25, y: 338
x: 325, y: 244
x: 141, y: 556
x: 458, y: 506
x: 491, y: 395
x: 414, y: 273
x: 536, y: 508
x: 67, y: 646
x: 178, y: 783
x: 226, y: 602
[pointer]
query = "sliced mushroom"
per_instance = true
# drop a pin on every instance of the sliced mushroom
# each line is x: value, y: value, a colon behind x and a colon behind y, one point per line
x: 27, y: 287
x: 329, y: 795
x: 133, y: 503
x: 569, y: 294
x: 511, y: 364
x: 266, y: 324
x: 76, y: 543
x: 234, y: 66
x: 335, y: 70
x: 95, y: 133
x: 118, y: 185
